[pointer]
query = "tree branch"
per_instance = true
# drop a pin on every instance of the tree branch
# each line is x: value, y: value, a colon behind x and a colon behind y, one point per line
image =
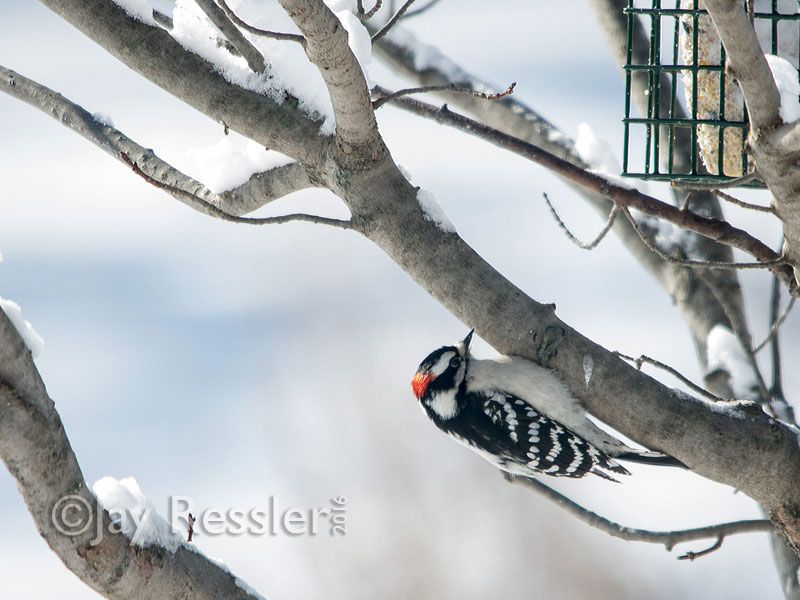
x: 327, y: 47
x: 699, y: 307
x: 209, y: 209
x: 393, y: 21
x: 612, y: 217
x: 261, y: 189
x: 775, y: 146
x: 250, y: 53
x: 668, y: 538
x: 646, y: 359
x: 155, y: 55
x: 716, y: 229
x: 376, y: 104
x: 35, y: 448
x: 753, y: 453
x: 421, y: 10
x: 696, y: 264
x: 287, y: 37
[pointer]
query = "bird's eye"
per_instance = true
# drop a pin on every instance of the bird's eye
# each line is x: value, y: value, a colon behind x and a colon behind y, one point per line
x: 455, y: 362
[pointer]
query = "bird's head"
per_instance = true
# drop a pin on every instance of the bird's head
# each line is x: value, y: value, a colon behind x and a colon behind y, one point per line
x: 442, y: 372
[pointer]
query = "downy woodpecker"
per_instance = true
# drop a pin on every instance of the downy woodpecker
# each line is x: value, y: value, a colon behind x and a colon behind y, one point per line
x: 518, y: 416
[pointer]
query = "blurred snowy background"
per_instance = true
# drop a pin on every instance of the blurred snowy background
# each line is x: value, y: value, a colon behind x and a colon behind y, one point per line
x: 231, y: 363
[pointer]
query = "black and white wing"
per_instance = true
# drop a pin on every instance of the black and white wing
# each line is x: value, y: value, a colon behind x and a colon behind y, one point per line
x: 519, y: 439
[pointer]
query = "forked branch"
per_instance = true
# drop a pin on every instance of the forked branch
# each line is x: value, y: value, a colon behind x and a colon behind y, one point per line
x: 667, y: 538
x: 259, y: 190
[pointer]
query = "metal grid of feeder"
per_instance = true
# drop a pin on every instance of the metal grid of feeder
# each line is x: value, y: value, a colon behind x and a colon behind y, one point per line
x: 695, y: 123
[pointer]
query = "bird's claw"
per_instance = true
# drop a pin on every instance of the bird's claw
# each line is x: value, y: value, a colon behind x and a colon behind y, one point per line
x: 552, y: 337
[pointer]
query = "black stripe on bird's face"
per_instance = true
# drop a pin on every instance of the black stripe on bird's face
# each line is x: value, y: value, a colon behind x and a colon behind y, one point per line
x: 438, y: 372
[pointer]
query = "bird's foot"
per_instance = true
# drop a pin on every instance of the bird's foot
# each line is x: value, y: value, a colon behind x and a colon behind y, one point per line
x: 547, y: 350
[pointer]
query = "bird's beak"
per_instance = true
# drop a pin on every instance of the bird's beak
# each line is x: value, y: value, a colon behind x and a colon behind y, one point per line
x: 468, y: 340
x: 420, y: 383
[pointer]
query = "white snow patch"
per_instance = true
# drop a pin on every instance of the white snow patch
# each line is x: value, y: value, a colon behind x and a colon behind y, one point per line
x: 243, y: 585
x: 141, y: 10
x: 788, y: 87
x: 725, y: 352
x: 780, y: 409
x: 231, y: 162
x: 433, y: 211
x: 669, y: 236
x: 406, y: 173
x: 601, y: 159
x: 733, y: 408
x: 135, y: 514
x: 288, y: 70
x: 596, y: 152
x: 588, y: 368
x: 358, y: 39
x: 32, y: 340
x: 426, y: 56
x: 103, y: 119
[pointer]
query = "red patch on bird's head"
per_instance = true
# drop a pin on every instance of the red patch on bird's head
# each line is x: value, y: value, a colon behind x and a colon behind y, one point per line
x: 420, y: 382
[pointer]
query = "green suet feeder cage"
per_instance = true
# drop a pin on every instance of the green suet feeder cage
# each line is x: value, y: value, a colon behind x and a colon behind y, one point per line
x: 695, y: 123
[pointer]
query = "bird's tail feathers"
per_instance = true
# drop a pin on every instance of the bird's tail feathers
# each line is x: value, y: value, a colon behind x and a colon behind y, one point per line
x: 650, y: 458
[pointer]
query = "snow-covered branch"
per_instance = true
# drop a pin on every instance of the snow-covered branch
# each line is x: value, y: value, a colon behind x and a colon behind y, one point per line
x: 327, y: 47
x: 716, y: 229
x: 219, y: 17
x: 427, y: 66
x: 259, y: 190
x: 775, y: 144
x: 35, y: 448
x: 248, y: 104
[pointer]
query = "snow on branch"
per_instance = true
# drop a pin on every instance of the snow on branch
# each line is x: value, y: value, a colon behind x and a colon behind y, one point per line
x: 288, y: 37
x: 218, y: 16
x: 259, y: 190
x: 716, y: 229
x: 775, y: 144
x: 450, y: 87
x: 328, y: 49
x: 98, y: 553
x: 187, y: 63
x: 201, y: 205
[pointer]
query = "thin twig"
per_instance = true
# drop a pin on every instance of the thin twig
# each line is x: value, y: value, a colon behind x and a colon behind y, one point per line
x: 221, y: 214
x: 696, y: 264
x: 251, y: 54
x: 368, y: 15
x: 391, y: 22
x: 451, y: 87
x: 716, y: 185
x: 778, y: 406
x: 667, y: 538
x: 710, y: 227
x: 288, y: 37
x: 646, y: 359
x: 420, y: 10
x: 773, y: 330
x: 612, y: 217
x: 736, y: 201
x: 692, y: 555
x: 162, y: 19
